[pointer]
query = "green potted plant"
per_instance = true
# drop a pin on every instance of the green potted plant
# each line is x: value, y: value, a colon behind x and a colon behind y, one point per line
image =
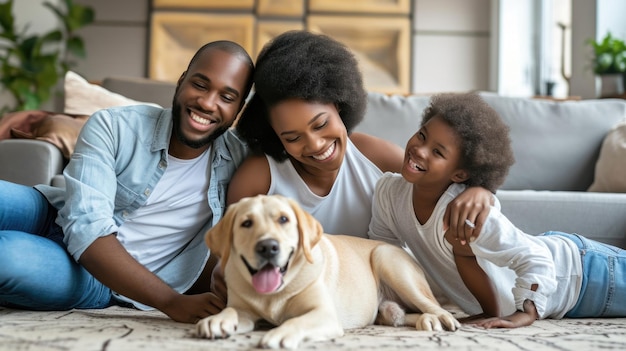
x: 32, y: 64
x: 609, y: 64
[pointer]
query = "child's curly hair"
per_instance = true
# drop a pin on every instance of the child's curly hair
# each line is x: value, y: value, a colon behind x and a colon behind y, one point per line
x: 486, y: 152
x: 301, y: 65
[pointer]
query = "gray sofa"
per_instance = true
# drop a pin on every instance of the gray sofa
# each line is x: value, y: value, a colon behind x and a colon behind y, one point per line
x: 556, y: 145
x: 32, y: 161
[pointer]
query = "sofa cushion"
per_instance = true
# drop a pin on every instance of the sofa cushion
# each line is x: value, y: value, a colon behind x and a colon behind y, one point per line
x: 58, y: 129
x: 556, y: 144
x: 394, y: 118
x: 84, y: 98
x: 611, y: 166
x: 142, y: 89
x: 20, y: 120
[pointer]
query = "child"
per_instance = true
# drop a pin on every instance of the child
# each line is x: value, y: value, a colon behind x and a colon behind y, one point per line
x: 510, y: 276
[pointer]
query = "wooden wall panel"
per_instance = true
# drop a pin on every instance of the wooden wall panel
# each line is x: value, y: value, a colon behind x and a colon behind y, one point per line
x: 176, y: 36
x: 378, y: 31
x: 289, y: 8
x: 266, y: 30
x: 204, y: 4
x: 381, y: 44
x: 361, y: 6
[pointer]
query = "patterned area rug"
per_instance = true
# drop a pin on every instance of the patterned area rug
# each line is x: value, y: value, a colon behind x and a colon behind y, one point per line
x: 119, y: 328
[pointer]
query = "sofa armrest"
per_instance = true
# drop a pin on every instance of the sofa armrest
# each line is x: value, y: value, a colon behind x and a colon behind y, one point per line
x: 598, y: 216
x: 29, y: 161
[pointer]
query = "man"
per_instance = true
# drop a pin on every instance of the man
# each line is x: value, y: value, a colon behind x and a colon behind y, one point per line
x: 142, y: 187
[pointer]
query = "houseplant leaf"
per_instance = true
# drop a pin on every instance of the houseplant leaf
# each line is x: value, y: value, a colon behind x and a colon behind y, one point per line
x: 31, y: 65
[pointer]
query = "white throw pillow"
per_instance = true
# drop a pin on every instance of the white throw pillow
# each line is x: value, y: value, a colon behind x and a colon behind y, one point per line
x: 84, y: 98
x: 610, y: 175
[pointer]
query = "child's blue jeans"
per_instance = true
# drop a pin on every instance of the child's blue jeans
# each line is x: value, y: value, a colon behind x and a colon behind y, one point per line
x: 603, y: 290
x: 36, y: 271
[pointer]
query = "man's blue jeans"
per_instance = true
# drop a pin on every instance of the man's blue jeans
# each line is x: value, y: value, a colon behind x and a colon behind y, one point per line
x: 36, y: 271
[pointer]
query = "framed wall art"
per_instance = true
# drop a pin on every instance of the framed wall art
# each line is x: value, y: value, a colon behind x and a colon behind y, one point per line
x: 381, y: 45
x: 204, y: 4
x: 361, y: 6
x: 176, y: 36
x: 266, y: 30
x: 290, y: 8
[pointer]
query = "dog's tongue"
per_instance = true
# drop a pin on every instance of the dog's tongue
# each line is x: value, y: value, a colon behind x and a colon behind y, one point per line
x: 267, y: 279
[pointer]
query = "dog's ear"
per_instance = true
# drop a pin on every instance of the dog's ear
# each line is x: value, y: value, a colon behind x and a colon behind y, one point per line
x: 309, y: 229
x: 220, y: 237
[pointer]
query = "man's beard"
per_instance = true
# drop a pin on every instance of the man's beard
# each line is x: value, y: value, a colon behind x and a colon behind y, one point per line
x: 178, y: 132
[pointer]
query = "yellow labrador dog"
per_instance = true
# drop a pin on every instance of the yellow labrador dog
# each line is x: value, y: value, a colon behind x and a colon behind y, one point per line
x: 279, y: 266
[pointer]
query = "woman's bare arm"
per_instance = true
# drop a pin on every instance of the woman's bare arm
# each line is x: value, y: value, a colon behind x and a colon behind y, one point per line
x: 250, y: 179
x: 384, y: 154
x: 472, y: 204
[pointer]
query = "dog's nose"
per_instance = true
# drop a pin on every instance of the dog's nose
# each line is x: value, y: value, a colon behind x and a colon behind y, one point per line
x: 267, y: 248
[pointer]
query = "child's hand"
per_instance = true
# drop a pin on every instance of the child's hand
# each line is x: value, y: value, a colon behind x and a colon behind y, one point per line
x: 516, y: 320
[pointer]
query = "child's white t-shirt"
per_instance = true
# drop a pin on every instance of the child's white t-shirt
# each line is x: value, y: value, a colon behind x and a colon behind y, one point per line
x: 512, y: 259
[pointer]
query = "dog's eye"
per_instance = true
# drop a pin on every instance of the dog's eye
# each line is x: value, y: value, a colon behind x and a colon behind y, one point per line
x: 247, y: 223
x: 283, y: 219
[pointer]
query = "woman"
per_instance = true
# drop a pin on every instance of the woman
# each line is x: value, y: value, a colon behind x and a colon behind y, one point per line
x: 309, y: 95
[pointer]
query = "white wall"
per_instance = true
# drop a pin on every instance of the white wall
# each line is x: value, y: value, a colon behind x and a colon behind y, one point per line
x: 457, y: 45
x: 117, y: 42
x: 451, y: 45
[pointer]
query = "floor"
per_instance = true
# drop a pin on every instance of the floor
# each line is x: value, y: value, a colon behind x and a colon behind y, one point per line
x: 119, y: 328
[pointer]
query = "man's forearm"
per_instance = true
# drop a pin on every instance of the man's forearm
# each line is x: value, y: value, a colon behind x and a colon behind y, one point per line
x: 108, y: 261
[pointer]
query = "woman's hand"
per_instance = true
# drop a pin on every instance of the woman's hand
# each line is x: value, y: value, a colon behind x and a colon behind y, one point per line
x: 465, y: 215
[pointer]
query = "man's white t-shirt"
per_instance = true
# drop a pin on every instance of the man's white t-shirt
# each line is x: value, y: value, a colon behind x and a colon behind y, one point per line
x: 175, y: 211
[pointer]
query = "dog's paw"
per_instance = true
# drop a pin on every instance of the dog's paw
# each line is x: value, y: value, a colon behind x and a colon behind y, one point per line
x: 219, y: 326
x: 436, y: 322
x: 449, y: 321
x: 281, y: 338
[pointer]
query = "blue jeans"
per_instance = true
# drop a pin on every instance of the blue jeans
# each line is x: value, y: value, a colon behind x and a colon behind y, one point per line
x: 36, y: 271
x: 603, y: 290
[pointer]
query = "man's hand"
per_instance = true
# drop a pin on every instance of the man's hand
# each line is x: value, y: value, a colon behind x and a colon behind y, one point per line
x: 218, y: 284
x: 108, y: 261
x: 192, y: 308
x: 465, y: 215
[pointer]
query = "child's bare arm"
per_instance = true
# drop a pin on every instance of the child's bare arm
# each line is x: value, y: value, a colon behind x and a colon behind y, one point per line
x: 475, y: 279
x: 478, y: 284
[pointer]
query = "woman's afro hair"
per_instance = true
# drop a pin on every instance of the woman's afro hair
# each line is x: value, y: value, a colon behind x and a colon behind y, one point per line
x: 307, y: 66
x: 486, y: 152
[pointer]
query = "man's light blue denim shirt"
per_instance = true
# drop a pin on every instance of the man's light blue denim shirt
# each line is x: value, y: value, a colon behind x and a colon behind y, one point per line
x: 120, y: 155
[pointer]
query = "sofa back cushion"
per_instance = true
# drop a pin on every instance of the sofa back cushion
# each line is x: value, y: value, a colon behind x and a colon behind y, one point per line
x: 393, y: 117
x: 143, y: 89
x: 556, y: 144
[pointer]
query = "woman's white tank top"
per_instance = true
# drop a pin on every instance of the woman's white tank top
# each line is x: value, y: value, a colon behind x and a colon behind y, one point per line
x: 347, y: 209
